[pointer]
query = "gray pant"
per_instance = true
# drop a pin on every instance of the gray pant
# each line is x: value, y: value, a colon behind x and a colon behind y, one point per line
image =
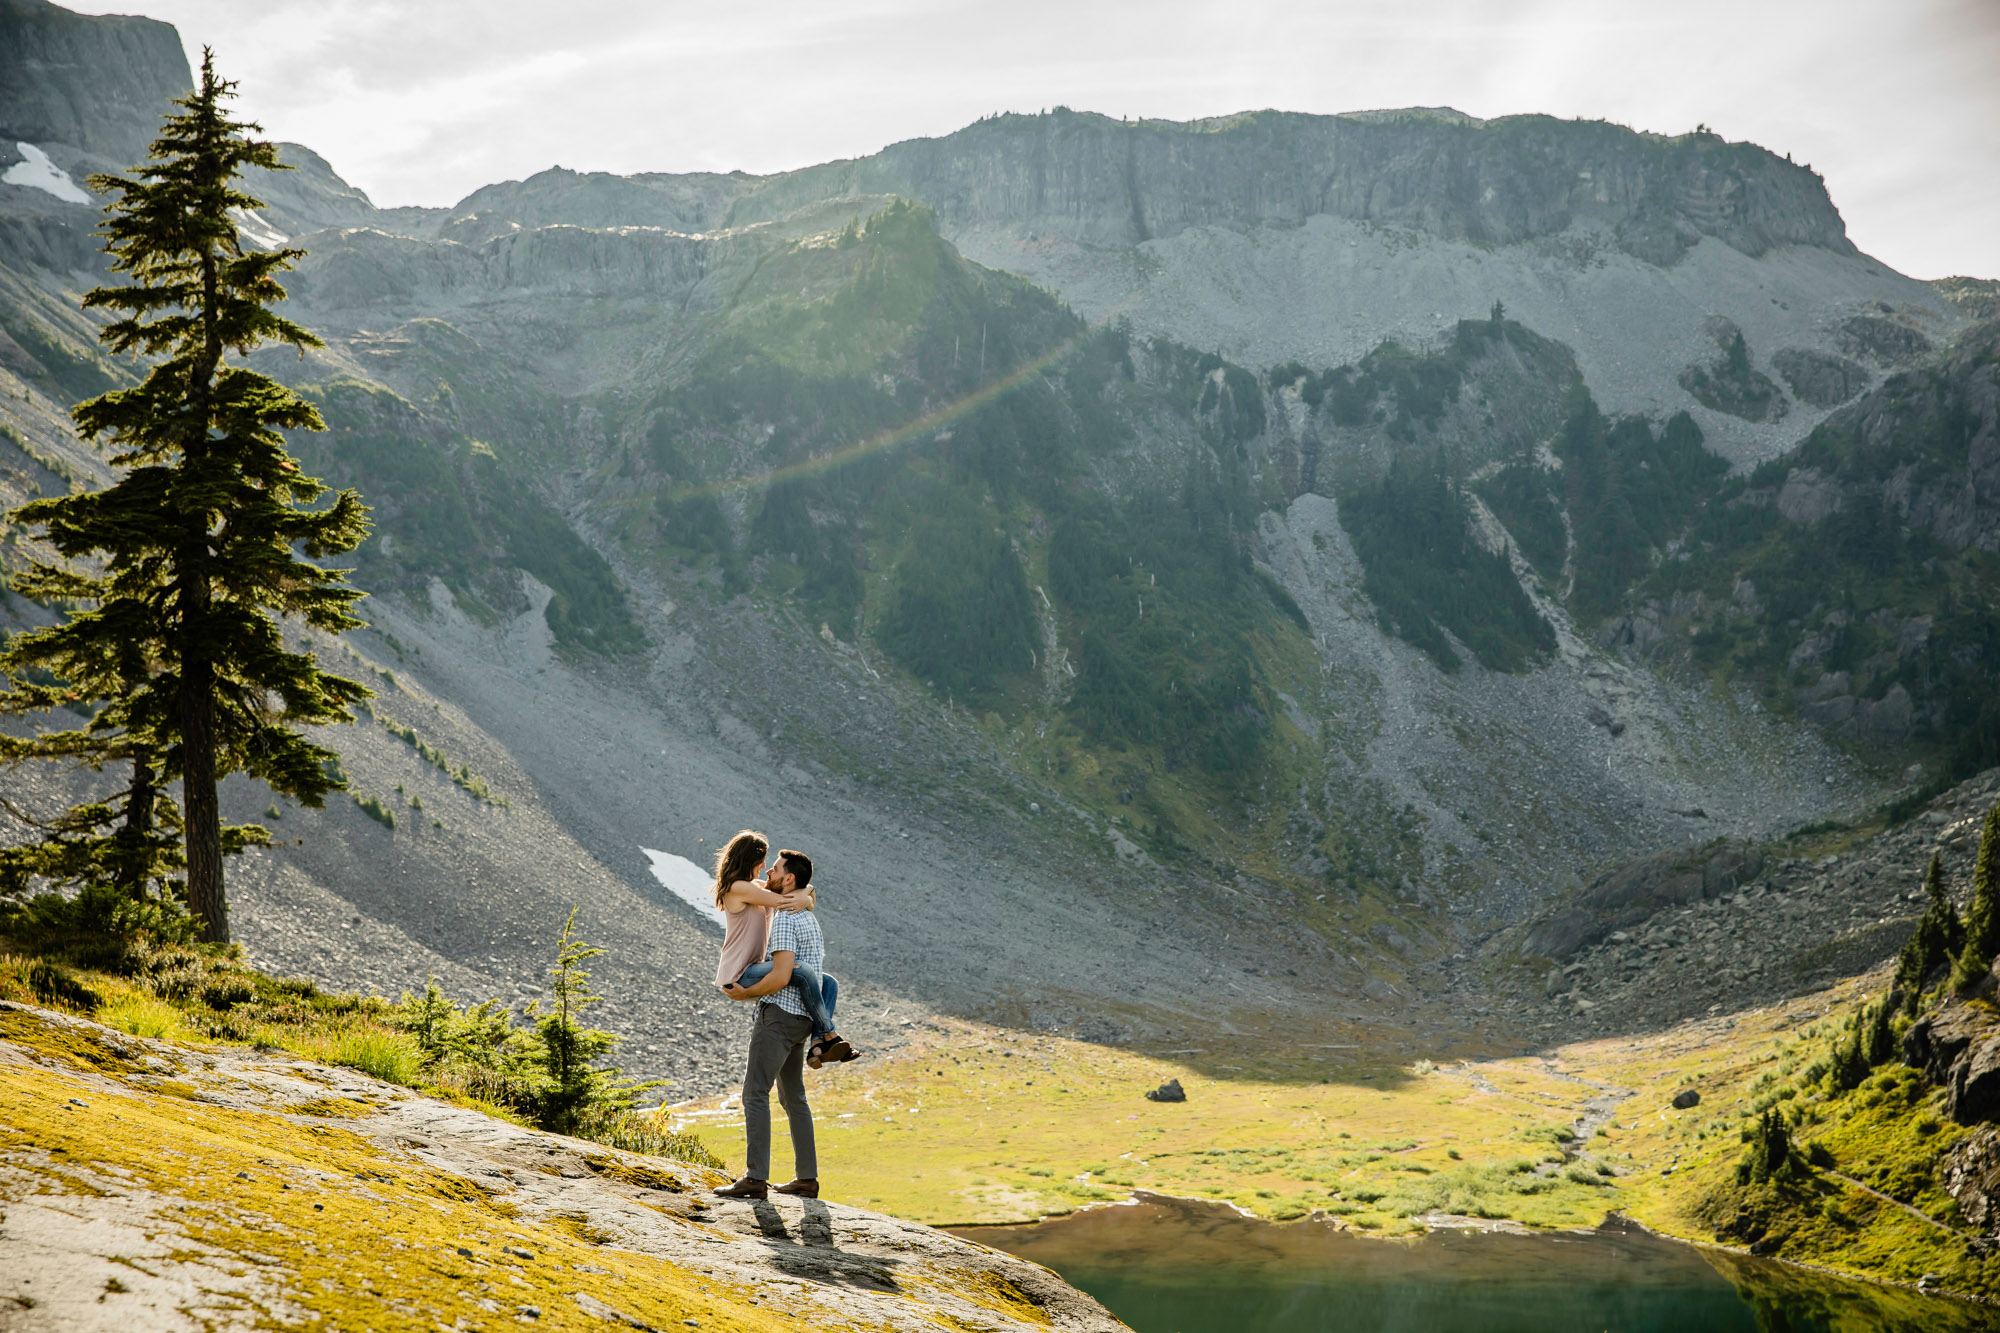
x: 777, y: 1055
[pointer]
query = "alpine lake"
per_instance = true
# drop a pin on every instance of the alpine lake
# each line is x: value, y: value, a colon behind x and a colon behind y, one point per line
x: 1177, y: 1266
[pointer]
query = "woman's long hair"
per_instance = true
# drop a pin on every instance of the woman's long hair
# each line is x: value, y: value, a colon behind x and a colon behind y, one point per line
x: 739, y: 859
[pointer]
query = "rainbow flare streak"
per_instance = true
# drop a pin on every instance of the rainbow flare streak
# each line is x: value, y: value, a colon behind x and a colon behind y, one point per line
x: 934, y: 420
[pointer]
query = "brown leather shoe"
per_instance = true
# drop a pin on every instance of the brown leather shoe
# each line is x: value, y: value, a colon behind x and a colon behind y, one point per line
x: 747, y: 1188
x: 804, y: 1189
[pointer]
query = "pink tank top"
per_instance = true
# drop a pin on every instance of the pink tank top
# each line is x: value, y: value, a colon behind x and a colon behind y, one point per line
x: 743, y: 940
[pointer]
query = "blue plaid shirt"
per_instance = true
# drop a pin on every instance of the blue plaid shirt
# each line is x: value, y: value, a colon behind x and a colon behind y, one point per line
x: 798, y: 932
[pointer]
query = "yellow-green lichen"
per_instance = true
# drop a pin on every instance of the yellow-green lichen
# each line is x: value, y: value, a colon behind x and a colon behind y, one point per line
x: 283, y: 1202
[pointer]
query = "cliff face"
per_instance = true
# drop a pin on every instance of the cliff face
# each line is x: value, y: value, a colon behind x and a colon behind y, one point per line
x: 1089, y: 178
x: 1496, y: 182
x: 96, y: 84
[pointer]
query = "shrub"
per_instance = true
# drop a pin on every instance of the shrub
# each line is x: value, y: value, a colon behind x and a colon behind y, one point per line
x: 647, y: 1132
x: 228, y: 992
x: 475, y: 1051
x: 53, y: 984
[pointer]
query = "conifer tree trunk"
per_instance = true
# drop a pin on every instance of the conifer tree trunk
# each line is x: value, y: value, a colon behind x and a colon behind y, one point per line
x: 200, y: 805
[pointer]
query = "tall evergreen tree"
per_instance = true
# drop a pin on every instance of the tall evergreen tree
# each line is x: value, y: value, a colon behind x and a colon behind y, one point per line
x: 208, y: 537
x: 128, y: 840
x: 97, y: 663
x: 1938, y: 938
x: 1982, y: 914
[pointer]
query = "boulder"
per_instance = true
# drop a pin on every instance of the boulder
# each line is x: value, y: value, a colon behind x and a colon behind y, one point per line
x: 1974, y: 1092
x: 1170, y: 1091
x: 1686, y: 1099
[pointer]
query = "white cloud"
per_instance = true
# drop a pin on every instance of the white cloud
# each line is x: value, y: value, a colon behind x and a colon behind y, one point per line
x: 1892, y: 100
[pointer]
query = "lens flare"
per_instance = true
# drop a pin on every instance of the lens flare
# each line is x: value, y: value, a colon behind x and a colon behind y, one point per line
x: 929, y: 423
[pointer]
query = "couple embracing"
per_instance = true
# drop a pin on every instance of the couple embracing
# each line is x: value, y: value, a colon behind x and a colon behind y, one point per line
x: 773, y: 956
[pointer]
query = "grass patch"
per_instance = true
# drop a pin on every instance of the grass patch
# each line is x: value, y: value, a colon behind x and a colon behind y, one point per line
x: 144, y: 1015
x: 1269, y: 1139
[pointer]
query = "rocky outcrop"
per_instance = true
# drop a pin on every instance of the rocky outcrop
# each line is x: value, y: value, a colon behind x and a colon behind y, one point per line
x: 1970, y: 1173
x: 1635, y: 892
x: 1887, y: 342
x: 1979, y: 298
x: 1948, y: 412
x: 691, y: 202
x: 1121, y: 183
x: 122, y: 1153
x: 1728, y: 382
x: 95, y: 84
x: 1958, y: 1048
x: 1819, y: 379
x: 1799, y: 923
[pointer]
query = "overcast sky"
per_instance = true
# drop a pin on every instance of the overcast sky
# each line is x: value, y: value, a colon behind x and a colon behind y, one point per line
x: 1896, y: 102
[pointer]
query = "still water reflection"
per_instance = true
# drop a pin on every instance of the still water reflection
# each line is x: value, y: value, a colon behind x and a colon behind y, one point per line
x: 1170, y: 1266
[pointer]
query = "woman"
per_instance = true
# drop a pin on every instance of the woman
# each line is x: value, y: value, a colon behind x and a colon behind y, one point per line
x: 747, y: 905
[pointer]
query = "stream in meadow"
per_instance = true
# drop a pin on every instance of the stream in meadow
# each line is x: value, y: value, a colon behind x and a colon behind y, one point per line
x: 1174, y: 1266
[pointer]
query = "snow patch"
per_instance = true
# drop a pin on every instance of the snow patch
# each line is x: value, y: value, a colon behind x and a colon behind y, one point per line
x: 38, y: 173
x: 687, y: 882
x: 255, y: 228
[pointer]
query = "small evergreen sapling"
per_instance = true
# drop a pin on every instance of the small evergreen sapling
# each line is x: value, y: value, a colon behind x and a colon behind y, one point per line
x: 576, y: 1088
x: 1876, y: 1034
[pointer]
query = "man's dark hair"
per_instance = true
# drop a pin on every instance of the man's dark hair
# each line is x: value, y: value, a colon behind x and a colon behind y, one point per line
x: 799, y: 864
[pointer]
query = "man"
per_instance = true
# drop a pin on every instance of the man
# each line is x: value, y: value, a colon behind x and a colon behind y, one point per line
x: 778, y: 1044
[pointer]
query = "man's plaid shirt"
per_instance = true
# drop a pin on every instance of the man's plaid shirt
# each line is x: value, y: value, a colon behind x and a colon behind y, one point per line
x: 799, y: 932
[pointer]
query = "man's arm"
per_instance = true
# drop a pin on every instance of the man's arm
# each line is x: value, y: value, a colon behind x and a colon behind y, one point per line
x: 781, y: 977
